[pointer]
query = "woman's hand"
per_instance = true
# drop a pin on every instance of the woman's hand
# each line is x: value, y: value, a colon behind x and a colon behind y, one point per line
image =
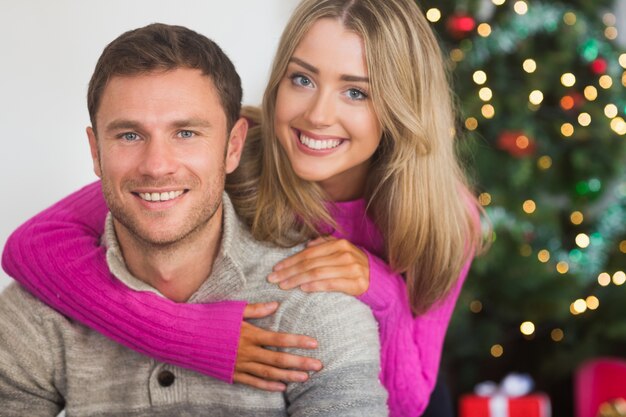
x: 327, y: 264
x: 263, y: 368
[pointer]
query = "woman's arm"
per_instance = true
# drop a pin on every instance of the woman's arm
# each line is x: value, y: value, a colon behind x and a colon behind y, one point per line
x: 410, y: 346
x: 57, y: 256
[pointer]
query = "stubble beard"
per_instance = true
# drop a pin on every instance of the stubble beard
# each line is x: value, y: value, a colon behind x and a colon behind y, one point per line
x: 197, y: 219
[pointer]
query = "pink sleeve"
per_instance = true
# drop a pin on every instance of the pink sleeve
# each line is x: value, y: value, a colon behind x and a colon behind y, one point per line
x: 57, y: 256
x: 410, y: 346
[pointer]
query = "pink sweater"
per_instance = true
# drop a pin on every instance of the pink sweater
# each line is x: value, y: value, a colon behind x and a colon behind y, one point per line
x: 57, y: 256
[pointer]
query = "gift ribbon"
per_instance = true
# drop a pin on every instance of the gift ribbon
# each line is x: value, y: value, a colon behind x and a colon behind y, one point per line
x: 513, y: 385
x: 499, y: 406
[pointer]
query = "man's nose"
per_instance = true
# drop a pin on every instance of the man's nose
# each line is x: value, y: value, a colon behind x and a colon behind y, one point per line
x: 158, y: 158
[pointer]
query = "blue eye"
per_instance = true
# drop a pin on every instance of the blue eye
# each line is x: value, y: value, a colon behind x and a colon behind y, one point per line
x: 301, y: 80
x: 130, y: 136
x: 186, y: 134
x: 356, y: 94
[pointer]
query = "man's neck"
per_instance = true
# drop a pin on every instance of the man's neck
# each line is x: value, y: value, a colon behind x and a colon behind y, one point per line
x: 176, y: 270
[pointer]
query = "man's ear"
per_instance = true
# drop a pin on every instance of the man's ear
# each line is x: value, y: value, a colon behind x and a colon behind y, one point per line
x: 236, y: 142
x: 95, y: 156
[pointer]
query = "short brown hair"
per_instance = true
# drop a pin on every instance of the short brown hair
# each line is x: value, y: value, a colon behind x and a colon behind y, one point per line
x: 165, y: 47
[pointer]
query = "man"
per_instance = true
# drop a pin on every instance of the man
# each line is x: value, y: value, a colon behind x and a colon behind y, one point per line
x: 165, y: 105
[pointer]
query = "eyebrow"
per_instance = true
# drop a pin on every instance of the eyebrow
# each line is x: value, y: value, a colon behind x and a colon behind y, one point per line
x: 121, y: 124
x: 314, y: 70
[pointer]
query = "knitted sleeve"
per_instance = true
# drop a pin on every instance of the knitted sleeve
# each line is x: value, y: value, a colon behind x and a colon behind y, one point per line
x: 57, y: 256
x: 410, y: 346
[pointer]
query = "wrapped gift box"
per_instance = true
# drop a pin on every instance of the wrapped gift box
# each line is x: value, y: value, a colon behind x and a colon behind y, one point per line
x: 533, y: 405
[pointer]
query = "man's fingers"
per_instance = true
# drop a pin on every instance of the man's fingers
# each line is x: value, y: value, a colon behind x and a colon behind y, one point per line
x: 259, y: 310
x: 247, y: 379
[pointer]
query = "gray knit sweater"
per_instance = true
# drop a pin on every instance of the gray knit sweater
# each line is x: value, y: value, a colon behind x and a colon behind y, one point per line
x: 49, y: 363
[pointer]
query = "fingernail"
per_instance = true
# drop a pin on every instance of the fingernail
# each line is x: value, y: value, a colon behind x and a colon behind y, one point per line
x: 301, y: 377
x: 316, y: 366
x: 311, y: 344
x: 272, y: 277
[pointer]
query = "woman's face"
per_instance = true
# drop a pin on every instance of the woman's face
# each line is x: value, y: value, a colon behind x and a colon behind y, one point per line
x: 324, y: 117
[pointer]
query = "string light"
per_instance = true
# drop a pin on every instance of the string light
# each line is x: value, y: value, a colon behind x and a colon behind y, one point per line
x: 484, y: 199
x: 576, y: 218
x: 622, y: 246
x: 544, y: 162
x: 557, y: 335
x: 433, y: 15
x: 584, y: 119
x: 488, y: 111
x: 568, y: 79
x: 485, y: 94
x: 569, y: 18
x: 592, y: 302
x: 591, y: 93
x: 527, y: 328
x: 618, y: 125
x: 535, y: 97
x: 529, y: 65
x: 529, y: 206
x: 610, y: 111
x: 562, y: 267
x: 624, y: 78
x: 479, y: 77
x: 498, y: 2
x: 471, y: 123
x: 497, y: 351
x: 579, y: 306
x: 567, y: 129
x: 605, y: 82
x: 476, y: 306
x: 610, y: 33
x: 520, y: 7
x: 609, y: 19
x: 619, y: 278
x: 604, y: 279
x: 456, y: 55
x: 582, y: 240
x: 484, y: 30
x: 622, y: 60
x: 522, y: 142
x: 567, y: 102
x: 543, y: 255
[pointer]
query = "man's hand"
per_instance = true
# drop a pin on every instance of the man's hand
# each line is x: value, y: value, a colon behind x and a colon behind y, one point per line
x: 263, y: 368
x: 327, y: 264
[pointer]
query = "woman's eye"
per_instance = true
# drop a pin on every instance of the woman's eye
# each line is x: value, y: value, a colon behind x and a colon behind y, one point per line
x: 186, y: 134
x: 301, y: 80
x: 356, y: 94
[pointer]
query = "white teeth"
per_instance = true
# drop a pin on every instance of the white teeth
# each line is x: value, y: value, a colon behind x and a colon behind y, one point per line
x: 318, y: 144
x: 160, y: 196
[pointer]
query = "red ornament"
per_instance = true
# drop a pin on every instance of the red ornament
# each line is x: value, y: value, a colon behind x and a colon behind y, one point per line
x: 516, y: 143
x: 460, y: 25
x: 598, y: 66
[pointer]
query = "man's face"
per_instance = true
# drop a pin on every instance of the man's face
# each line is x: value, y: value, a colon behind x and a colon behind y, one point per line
x: 162, y: 151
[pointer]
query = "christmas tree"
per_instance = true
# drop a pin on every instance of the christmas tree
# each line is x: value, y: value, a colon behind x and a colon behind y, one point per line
x: 542, y: 101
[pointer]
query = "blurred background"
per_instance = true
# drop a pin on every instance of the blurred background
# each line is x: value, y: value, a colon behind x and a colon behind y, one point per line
x: 541, y: 88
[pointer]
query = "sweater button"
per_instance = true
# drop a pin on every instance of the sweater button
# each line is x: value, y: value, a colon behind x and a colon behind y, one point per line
x: 165, y: 378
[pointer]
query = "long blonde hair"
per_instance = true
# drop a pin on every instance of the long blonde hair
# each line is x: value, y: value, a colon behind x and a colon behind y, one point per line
x: 416, y: 192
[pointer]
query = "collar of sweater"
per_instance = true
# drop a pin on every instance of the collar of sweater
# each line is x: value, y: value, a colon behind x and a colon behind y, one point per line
x: 226, y: 277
